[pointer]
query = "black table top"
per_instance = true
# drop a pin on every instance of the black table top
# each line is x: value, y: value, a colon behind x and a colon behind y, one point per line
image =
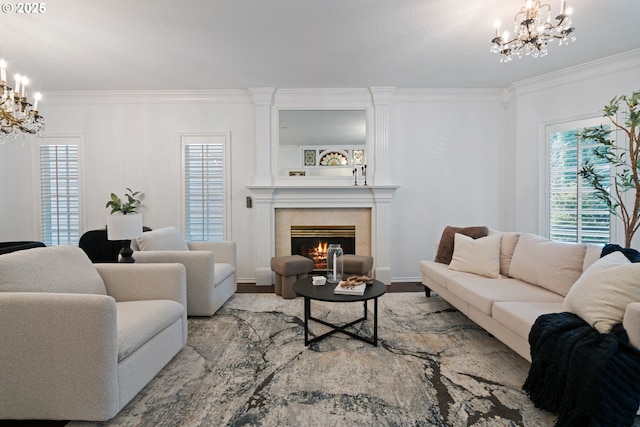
x: 304, y: 287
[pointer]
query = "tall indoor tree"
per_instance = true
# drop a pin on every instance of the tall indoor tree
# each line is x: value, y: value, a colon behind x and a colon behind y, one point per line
x: 623, y: 157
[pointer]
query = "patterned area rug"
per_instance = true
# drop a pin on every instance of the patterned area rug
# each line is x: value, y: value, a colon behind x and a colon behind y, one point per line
x: 248, y: 366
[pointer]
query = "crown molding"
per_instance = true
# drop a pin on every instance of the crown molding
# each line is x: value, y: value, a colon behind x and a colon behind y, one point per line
x: 147, y: 97
x: 588, y: 70
x: 450, y: 95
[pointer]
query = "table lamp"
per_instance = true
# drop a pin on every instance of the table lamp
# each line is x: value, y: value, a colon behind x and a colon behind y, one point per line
x: 124, y: 228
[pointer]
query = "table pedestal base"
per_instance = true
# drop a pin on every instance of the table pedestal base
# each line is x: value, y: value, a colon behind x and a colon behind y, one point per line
x: 340, y: 328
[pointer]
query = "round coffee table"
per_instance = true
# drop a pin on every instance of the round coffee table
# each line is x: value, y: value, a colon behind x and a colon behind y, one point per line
x: 306, y: 289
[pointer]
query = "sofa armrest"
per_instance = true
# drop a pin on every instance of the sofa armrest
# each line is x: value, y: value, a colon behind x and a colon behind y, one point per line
x: 57, y: 348
x: 631, y: 323
x: 222, y: 251
x: 199, y: 265
x: 136, y: 282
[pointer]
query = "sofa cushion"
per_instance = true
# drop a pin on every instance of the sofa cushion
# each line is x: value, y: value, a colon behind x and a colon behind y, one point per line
x: 481, y: 292
x: 162, y: 239
x: 602, y: 293
x: 64, y: 269
x: 479, y: 256
x: 553, y: 265
x: 519, y: 316
x: 139, y: 321
x: 440, y: 274
x: 445, y: 247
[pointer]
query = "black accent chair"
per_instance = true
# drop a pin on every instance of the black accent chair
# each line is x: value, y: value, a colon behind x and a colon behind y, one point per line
x: 100, y: 249
x: 7, y: 247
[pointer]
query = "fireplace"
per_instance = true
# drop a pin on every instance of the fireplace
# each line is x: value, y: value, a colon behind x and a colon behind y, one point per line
x: 311, y: 241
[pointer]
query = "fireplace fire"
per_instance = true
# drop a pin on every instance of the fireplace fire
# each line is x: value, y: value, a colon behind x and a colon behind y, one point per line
x: 312, y: 242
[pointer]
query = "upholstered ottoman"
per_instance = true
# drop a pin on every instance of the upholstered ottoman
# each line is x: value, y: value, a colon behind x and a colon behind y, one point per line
x: 357, y: 264
x: 289, y: 269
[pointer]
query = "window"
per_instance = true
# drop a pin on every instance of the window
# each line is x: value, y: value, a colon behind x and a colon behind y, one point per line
x: 59, y: 168
x: 574, y: 213
x: 205, y: 187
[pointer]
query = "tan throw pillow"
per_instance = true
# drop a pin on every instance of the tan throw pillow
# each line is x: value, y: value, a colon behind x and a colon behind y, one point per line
x: 602, y: 293
x: 552, y: 265
x: 162, y: 239
x: 479, y: 256
x: 445, y: 247
x: 507, y: 246
x: 64, y: 269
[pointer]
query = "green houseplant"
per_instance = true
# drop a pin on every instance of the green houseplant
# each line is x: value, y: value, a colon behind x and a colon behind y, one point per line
x: 124, y: 222
x: 130, y: 206
x: 624, y: 157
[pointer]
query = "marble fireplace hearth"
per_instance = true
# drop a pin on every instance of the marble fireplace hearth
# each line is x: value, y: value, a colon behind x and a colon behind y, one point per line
x: 280, y: 207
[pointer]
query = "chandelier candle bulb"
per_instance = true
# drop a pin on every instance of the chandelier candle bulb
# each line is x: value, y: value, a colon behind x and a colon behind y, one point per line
x: 25, y: 82
x: 37, y: 98
x: 18, y: 79
x: 3, y: 70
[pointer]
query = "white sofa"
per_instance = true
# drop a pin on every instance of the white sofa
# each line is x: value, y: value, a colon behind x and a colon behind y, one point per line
x: 534, y: 273
x: 211, y: 266
x: 80, y: 340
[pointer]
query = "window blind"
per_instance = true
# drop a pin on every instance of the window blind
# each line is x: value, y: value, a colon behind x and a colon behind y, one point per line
x: 59, y: 194
x: 575, y: 213
x: 204, y: 191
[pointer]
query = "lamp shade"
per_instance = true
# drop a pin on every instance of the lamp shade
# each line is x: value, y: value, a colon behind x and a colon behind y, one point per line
x: 124, y: 227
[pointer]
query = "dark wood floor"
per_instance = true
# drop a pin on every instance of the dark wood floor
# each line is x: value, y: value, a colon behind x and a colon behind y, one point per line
x: 252, y: 288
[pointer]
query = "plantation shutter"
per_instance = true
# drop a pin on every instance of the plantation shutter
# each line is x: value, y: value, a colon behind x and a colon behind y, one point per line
x: 59, y: 194
x: 575, y: 213
x: 204, y: 190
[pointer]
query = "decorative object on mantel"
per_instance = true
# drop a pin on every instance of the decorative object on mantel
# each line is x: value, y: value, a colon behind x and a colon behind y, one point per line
x: 17, y: 115
x: 533, y: 31
x: 623, y: 158
x: 355, y: 176
x: 124, y: 222
x: 364, y: 173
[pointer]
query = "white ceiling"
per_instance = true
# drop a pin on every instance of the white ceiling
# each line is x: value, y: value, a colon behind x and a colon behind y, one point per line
x: 235, y: 44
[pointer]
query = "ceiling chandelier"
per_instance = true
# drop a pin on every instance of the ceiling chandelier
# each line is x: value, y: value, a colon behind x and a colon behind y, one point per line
x: 17, y: 115
x: 533, y: 29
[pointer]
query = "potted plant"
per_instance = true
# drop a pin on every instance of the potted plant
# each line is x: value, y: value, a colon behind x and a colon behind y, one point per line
x: 124, y: 222
x: 130, y: 206
x: 624, y: 157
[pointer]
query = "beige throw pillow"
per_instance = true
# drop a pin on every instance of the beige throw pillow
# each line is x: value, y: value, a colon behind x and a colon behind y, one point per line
x: 602, y: 293
x: 445, y: 247
x: 552, y: 265
x: 507, y: 246
x: 479, y: 256
x: 162, y: 239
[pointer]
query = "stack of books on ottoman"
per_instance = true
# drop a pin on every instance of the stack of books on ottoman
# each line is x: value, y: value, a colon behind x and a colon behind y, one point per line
x: 354, y: 285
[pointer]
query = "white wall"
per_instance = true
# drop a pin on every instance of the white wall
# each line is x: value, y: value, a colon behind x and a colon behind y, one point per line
x: 460, y: 157
x: 575, y: 93
x: 446, y: 152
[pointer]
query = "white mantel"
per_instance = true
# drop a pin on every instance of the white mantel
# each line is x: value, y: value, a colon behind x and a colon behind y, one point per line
x: 268, y: 198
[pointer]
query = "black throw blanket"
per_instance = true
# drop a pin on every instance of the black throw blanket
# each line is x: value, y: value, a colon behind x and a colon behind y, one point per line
x: 587, y: 378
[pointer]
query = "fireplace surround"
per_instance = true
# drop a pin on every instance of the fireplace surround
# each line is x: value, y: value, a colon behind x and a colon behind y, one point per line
x: 338, y: 204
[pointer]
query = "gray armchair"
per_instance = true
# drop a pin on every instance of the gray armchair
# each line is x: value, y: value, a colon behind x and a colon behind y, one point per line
x: 210, y: 266
x: 80, y: 340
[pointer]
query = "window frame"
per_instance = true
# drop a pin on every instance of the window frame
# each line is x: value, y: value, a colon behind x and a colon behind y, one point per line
x: 573, y: 124
x: 57, y: 139
x: 223, y: 138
